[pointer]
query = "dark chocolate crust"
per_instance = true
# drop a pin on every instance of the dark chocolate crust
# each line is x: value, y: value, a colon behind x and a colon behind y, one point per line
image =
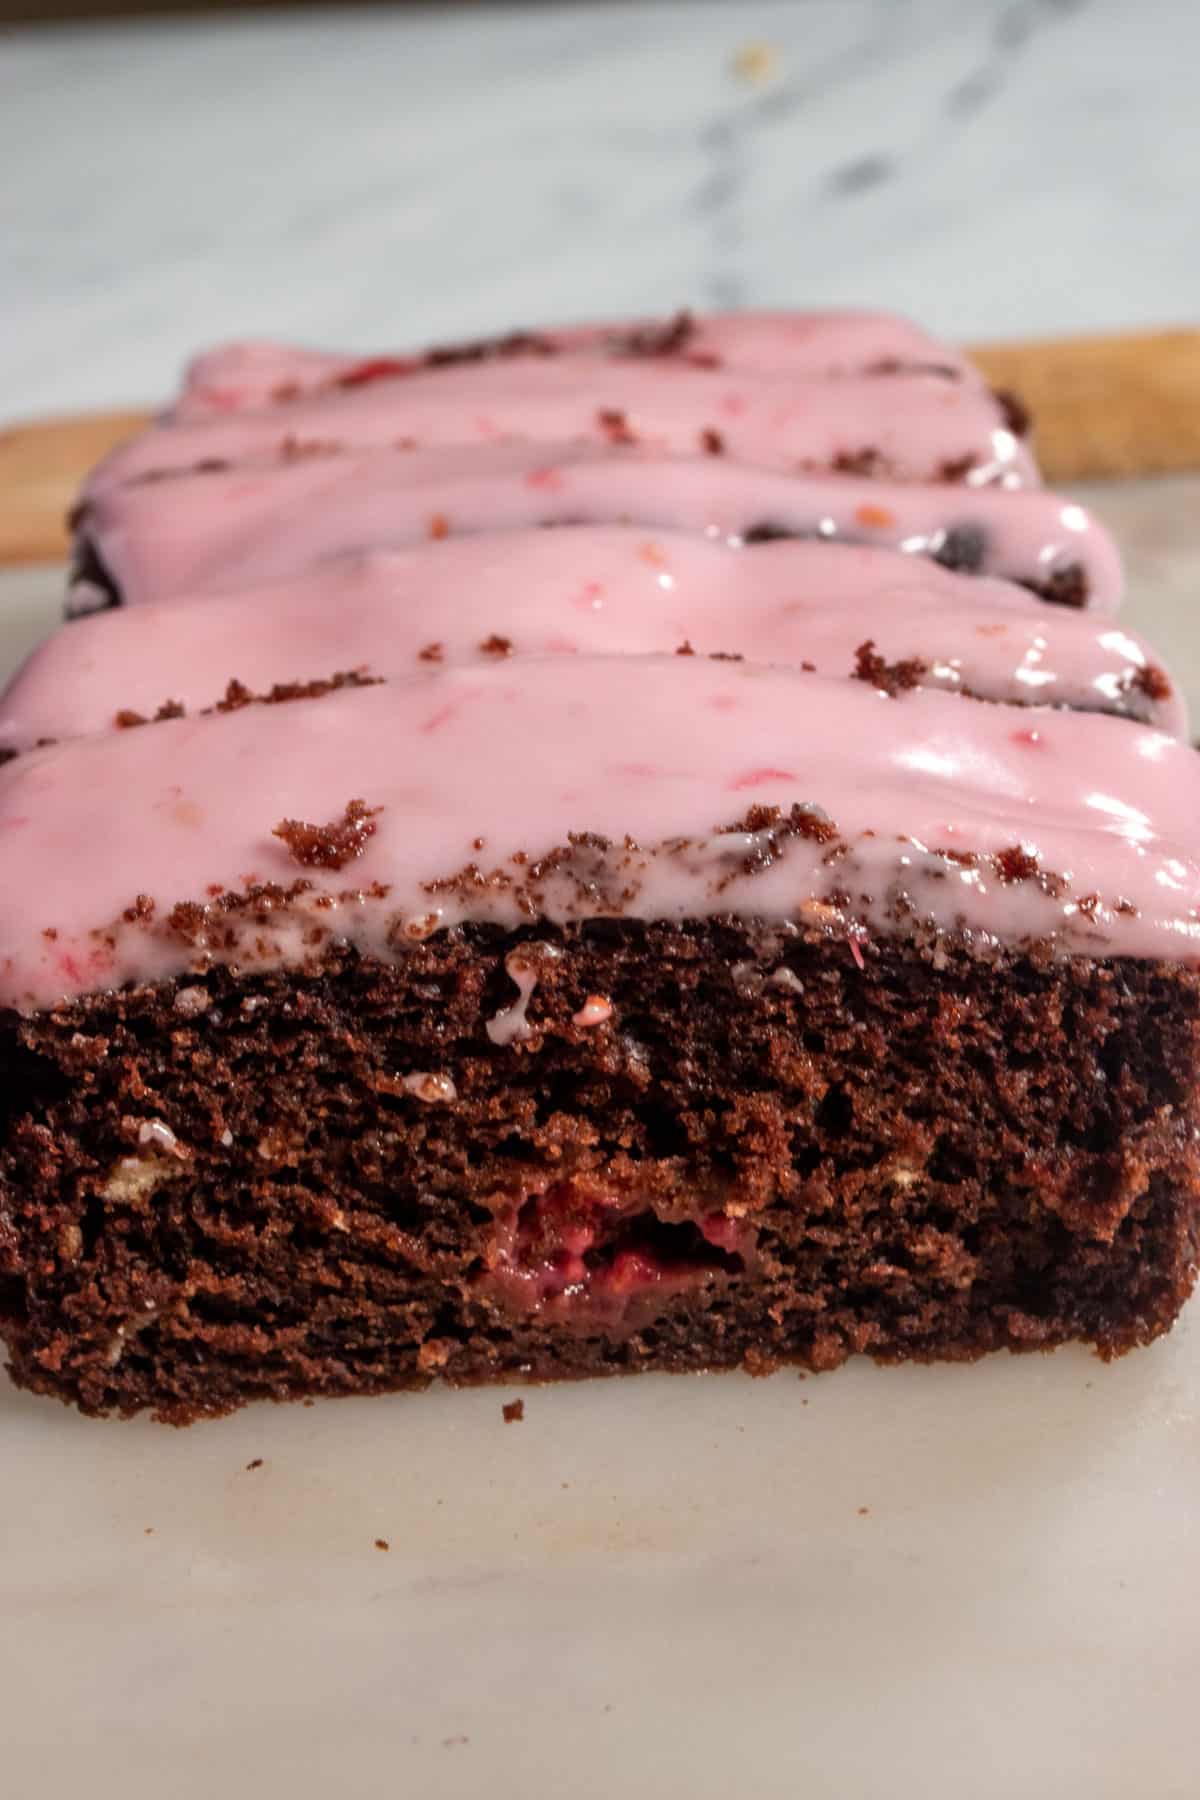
x: 220, y: 1189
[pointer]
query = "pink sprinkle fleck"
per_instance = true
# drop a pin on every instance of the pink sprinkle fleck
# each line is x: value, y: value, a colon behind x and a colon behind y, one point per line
x: 70, y: 968
x: 442, y: 716
x: 1029, y: 739
x: 561, y: 646
x: 486, y: 427
x: 732, y: 405
x: 548, y: 480
x: 636, y: 769
x: 590, y: 597
x: 723, y: 703
x: 856, y: 953
x: 760, y: 778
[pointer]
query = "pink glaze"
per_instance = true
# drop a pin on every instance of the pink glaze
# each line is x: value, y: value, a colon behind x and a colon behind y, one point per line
x: 255, y: 524
x: 522, y: 755
x: 239, y: 377
x: 916, y: 427
x: 590, y: 590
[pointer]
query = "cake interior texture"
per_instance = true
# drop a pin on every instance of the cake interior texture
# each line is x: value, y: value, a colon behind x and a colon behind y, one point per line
x: 750, y: 1151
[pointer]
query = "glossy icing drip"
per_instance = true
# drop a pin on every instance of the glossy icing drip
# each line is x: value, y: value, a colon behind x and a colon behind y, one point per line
x: 591, y: 590
x: 234, y: 528
x: 578, y: 787
x: 915, y: 428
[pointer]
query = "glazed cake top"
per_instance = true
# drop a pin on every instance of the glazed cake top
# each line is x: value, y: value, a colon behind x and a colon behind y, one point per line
x: 242, y: 376
x: 442, y: 713
x: 897, y: 620
x: 580, y: 787
x: 792, y: 393
x: 225, y: 528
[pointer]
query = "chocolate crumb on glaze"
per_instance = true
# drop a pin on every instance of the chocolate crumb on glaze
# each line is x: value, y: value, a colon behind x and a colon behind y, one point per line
x: 329, y: 846
x: 237, y: 695
x: 1152, y: 681
x: 1066, y: 586
x: 889, y: 677
x: 666, y: 339
x: 615, y: 425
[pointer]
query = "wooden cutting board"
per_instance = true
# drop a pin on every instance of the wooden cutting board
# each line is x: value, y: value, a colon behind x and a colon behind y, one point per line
x: 1103, y: 406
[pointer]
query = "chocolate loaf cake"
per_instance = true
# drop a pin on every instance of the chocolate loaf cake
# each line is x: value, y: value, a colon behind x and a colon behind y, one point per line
x: 542, y: 953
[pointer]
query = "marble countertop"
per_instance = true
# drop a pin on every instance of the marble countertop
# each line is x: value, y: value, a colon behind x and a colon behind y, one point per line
x: 997, y: 167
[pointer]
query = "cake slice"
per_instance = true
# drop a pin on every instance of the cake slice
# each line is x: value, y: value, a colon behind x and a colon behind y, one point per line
x: 869, y: 614
x: 242, y: 377
x: 910, y: 426
x: 577, y: 1015
x: 230, y: 528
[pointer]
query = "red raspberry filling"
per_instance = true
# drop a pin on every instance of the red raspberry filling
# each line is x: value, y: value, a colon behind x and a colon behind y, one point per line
x: 575, y: 1252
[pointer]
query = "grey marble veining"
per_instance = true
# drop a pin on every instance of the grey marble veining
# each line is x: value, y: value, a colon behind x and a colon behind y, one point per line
x: 996, y: 167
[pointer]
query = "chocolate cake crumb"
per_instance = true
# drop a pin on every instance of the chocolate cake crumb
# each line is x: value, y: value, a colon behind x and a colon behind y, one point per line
x: 768, y: 532
x: 1015, y: 413
x: 615, y: 426
x: 256, y: 1462
x: 329, y: 846
x: 1064, y: 587
x: 858, y: 462
x: 495, y: 645
x: 890, y: 677
x: 895, y: 365
x: 128, y: 720
x: 657, y: 339
x: 513, y: 1412
x: 432, y: 653
x: 711, y: 442
x: 238, y: 695
x: 957, y: 468
x: 1152, y: 681
x: 382, y: 1544
x: 512, y: 343
x: 684, y: 649
x: 1015, y: 864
